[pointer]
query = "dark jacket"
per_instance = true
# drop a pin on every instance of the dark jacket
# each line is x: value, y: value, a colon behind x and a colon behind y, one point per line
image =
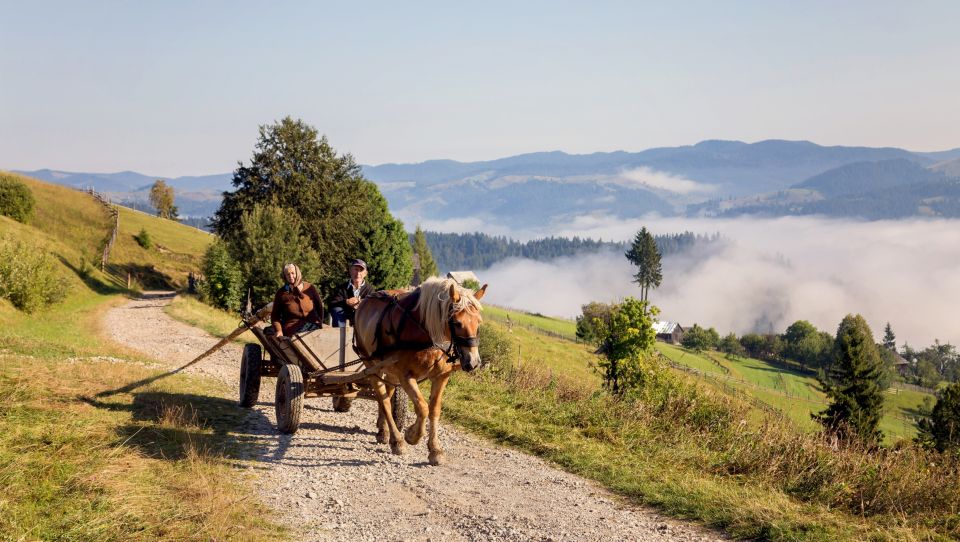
x: 345, y: 292
x: 293, y: 309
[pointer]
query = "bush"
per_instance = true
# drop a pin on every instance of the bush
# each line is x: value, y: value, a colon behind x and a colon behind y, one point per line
x: 222, y: 284
x: 28, y: 276
x: 496, y: 346
x: 16, y: 200
x: 143, y: 239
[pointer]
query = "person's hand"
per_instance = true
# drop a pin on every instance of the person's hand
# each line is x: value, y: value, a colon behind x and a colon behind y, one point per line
x: 353, y: 301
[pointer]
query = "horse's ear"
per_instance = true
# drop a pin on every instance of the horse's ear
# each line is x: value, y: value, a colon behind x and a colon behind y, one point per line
x: 454, y: 294
x: 479, y: 293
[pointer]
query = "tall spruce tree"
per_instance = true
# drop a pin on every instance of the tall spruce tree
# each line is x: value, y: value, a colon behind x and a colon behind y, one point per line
x: 344, y: 216
x: 428, y: 267
x: 645, y: 255
x: 889, y: 339
x: 854, y: 384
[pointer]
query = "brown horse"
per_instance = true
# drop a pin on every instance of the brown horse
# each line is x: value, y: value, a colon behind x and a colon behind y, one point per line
x: 416, y: 336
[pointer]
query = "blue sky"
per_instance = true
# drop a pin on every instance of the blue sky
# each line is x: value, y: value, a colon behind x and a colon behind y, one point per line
x: 177, y: 88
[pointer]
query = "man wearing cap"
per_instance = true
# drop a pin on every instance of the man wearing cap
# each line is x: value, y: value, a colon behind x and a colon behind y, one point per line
x: 346, y: 298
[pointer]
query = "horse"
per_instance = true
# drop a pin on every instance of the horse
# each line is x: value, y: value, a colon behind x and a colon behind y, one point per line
x: 415, y: 336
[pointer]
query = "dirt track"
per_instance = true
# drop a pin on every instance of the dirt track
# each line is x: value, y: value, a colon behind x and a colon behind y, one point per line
x: 332, y: 481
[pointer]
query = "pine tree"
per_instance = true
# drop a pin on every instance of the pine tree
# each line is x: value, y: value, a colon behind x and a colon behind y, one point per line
x: 854, y: 384
x: 942, y: 429
x: 889, y: 339
x: 428, y: 267
x: 645, y: 255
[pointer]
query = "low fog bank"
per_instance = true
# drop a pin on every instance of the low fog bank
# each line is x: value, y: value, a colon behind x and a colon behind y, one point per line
x: 764, y: 275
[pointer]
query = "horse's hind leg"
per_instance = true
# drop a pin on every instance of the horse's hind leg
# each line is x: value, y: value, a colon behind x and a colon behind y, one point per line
x: 386, y: 412
x: 414, y: 433
x: 436, y: 399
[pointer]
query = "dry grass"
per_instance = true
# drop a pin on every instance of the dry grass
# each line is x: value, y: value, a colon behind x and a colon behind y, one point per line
x: 692, y: 452
x: 139, y: 465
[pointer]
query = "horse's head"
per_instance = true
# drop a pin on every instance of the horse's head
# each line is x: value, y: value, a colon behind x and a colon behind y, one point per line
x: 464, y: 323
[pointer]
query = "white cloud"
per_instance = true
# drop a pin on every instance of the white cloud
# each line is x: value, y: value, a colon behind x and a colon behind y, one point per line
x: 767, y: 274
x: 661, y: 180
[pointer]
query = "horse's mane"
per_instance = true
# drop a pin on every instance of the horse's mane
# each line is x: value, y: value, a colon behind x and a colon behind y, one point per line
x: 436, y: 307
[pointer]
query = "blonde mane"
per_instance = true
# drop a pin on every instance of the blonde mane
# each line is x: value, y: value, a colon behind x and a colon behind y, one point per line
x: 436, y: 307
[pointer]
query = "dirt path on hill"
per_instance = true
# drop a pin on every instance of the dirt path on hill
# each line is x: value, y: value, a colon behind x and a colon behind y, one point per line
x: 332, y: 481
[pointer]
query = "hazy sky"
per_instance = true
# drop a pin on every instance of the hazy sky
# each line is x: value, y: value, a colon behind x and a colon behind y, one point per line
x: 173, y: 88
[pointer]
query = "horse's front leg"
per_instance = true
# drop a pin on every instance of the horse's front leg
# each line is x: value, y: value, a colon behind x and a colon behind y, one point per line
x: 383, y: 431
x: 414, y: 433
x: 436, y: 399
x: 386, y: 415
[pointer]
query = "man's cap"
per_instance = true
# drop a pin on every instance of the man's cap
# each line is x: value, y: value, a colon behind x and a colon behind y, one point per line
x: 359, y: 262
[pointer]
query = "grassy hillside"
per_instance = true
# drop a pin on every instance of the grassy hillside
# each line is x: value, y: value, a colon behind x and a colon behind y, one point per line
x: 796, y: 394
x: 85, y: 453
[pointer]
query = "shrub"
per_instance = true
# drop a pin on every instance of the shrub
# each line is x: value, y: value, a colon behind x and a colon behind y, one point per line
x: 471, y: 284
x: 16, y: 200
x: 143, y: 239
x: 496, y: 346
x: 222, y: 284
x: 29, y: 277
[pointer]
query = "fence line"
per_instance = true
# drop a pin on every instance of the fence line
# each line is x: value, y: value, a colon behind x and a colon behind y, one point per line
x: 115, y: 214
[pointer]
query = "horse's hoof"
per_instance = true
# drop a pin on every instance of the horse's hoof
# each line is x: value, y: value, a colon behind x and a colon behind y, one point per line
x: 436, y: 458
x: 396, y: 448
x: 411, y: 436
x: 383, y: 438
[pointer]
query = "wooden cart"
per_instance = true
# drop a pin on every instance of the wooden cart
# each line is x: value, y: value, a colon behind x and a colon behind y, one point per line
x: 310, y: 364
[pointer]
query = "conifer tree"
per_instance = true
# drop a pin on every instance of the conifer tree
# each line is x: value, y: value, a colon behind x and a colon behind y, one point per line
x: 343, y: 215
x: 644, y: 254
x: 941, y: 429
x: 854, y: 384
x: 889, y: 339
x: 428, y: 267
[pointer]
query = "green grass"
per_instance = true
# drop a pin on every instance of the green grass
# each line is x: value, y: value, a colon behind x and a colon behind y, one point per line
x: 660, y: 459
x: 95, y: 450
x: 796, y: 394
x: 564, y: 328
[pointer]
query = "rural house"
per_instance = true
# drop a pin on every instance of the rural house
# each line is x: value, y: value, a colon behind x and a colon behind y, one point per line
x: 668, y: 332
x: 461, y: 276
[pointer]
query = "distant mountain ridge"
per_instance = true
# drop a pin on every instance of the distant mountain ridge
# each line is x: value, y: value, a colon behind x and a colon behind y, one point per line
x: 543, y: 188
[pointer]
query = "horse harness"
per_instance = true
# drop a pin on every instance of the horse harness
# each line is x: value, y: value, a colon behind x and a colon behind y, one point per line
x: 396, y: 335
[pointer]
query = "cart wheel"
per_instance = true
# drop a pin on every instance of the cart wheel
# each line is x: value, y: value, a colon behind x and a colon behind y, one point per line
x: 289, y: 398
x: 399, y: 406
x: 342, y: 404
x: 250, y: 375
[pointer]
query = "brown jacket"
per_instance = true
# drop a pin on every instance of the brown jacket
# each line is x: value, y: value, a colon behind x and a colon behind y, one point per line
x: 293, y: 309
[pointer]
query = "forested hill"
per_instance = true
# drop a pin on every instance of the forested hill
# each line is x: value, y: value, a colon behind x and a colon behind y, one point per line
x: 458, y: 251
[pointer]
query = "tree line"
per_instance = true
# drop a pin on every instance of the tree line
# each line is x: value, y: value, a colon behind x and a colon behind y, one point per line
x: 455, y: 251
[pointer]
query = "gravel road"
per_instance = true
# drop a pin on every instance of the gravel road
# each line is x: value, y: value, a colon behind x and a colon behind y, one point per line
x: 332, y: 481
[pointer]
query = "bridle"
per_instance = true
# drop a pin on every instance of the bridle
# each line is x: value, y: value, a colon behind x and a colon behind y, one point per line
x: 454, y: 352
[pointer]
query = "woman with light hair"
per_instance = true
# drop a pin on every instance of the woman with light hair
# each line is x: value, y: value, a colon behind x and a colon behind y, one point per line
x: 297, y: 306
